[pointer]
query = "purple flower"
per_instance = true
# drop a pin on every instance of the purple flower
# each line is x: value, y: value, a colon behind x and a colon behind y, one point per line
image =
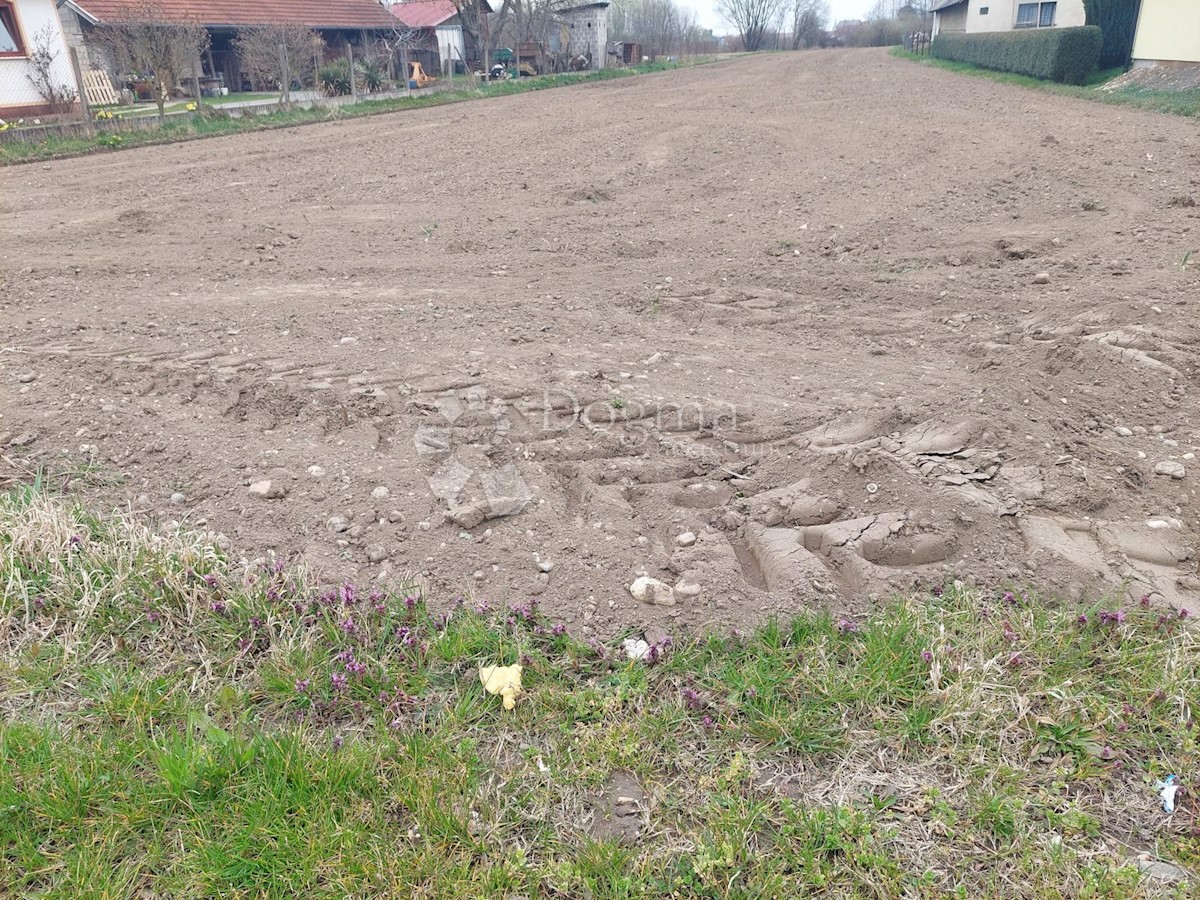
x: 153, y: 615
x: 39, y: 603
x: 1144, y: 602
x: 210, y: 580
x: 410, y: 602
x: 707, y: 723
x: 560, y: 629
x: 76, y: 542
x: 302, y: 685
x: 256, y: 622
x: 1015, y: 660
x: 1108, y: 617
x: 356, y: 668
x: 691, y: 698
x: 938, y: 590
x: 338, y: 681
x: 347, y: 625
x: 338, y: 742
x: 218, y: 606
x: 349, y: 594
x: 1081, y: 619
x: 846, y: 626
x: 483, y: 608
x: 927, y: 656
x: 1183, y: 613
x: 1009, y: 597
x: 1009, y: 634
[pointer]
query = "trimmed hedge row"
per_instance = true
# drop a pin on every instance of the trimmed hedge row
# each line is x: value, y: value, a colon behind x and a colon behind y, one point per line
x: 1067, y: 55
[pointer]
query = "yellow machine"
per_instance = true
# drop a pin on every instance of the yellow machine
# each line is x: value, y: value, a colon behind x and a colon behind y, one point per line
x: 417, y: 77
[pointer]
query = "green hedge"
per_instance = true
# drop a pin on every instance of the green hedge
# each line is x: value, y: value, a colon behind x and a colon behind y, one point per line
x: 1068, y: 55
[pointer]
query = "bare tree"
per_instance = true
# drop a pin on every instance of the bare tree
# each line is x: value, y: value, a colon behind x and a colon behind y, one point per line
x: 808, y: 22
x: 480, y: 31
x: 145, y: 41
x: 59, y: 95
x: 277, y: 54
x: 753, y: 19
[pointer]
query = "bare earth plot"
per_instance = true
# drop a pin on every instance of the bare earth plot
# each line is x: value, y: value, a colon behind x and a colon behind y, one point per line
x: 788, y: 304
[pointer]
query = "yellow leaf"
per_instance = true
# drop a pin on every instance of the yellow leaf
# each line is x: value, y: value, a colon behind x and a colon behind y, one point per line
x: 504, y: 681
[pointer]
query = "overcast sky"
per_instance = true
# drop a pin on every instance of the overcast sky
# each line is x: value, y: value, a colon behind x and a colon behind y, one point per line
x: 838, y: 9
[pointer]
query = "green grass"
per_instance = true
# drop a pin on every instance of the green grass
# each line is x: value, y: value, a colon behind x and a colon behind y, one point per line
x: 1179, y: 103
x: 215, y: 124
x: 174, y: 725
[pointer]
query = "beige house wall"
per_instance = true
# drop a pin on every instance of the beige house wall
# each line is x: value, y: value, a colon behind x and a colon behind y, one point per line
x: 1168, y: 31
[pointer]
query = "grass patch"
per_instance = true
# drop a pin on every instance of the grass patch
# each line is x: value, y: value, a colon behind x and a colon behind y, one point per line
x: 1179, y: 103
x: 208, y: 124
x: 176, y: 725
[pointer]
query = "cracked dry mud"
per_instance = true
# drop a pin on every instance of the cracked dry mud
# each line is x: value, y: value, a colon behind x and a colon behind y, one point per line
x: 787, y: 304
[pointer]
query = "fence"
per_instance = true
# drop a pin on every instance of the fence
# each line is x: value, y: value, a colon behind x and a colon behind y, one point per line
x: 918, y: 42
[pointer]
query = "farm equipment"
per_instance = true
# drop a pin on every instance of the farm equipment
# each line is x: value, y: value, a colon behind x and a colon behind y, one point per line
x: 417, y: 77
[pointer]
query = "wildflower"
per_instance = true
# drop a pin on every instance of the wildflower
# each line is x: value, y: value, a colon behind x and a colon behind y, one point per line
x: 410, y: 602
x: 751, y: 693
x: 349, y: 594
x: 1144, y: 602
x: 354, y: 667
x: 938, y: 590
x: 1009, y: 634
x: 1015, y: 660
x: 691, y: 698
x: 218, y: 606
x: 301, y: 685
x: 338, y: 681
x: 210, y: 580
x: 244, y: 645
x: 1081, y: 619
x: 708, y: 723
x: 272, y: 594
x: 1108, y: 617
x: 483, y: 608
x: 256, y: 622
x: 39, y: 603
x: 1106, y: 752
x: 347, y: 625
x: 152, y: 616
x: 560, y: 629
x: 76, y: 542
x: 927, y: 656
x: 1009, y: 597
x: 1183, y: 613
x: 338, y: 742
x: 846, y: 626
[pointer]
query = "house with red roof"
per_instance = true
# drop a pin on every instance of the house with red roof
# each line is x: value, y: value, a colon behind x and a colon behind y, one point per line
x: 29, y: 28
x: 438, y: 39
x: 338, y: 22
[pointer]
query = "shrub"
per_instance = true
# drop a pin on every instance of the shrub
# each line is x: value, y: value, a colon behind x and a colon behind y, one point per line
x: 371, y: 75
x: 1117, y: 19
x: 335, y: 78
x: 1067, y: 55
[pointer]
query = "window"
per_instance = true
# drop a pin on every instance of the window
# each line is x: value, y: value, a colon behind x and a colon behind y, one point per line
x: 1036, y: 15
x: 10, y: 33
x: 983, y: 10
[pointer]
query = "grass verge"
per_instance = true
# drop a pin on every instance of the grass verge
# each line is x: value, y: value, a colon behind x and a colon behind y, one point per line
x: 212, y: 123
x: 1179, y: 103
x: 176, y: 725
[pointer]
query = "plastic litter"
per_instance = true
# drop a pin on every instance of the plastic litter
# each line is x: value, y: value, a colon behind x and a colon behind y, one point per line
x: 502, y: 681
x: 1166, y: 789
x: 636, y: 648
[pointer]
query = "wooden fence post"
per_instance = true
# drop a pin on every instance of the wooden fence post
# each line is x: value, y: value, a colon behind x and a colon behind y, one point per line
x: 353, y: 80
x: 84, y: 106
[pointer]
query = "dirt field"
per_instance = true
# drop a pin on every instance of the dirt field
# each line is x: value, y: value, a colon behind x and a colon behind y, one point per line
x: 789, y: 304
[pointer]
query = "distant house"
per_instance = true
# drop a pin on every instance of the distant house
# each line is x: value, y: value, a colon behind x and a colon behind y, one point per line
x: 439, y: 43
x: 339, y: 22
x: 1168, y: 33
x: 27, y: 26
x: 976, y: 16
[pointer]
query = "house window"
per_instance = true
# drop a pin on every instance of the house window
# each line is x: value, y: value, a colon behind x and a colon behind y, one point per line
x: 1036, y: 15
x: 10, y: 33
x: 983, y: 10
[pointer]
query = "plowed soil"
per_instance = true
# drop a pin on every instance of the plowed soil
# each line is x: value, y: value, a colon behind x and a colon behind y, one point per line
x: 789, y: 304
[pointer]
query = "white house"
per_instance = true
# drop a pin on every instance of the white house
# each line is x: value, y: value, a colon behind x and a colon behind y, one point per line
x: 976, y: 16
x: 1168, y: 33
x: 28, y: 27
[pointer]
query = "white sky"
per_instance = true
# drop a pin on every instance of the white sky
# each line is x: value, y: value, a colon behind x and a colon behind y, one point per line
x: 838, y: 9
